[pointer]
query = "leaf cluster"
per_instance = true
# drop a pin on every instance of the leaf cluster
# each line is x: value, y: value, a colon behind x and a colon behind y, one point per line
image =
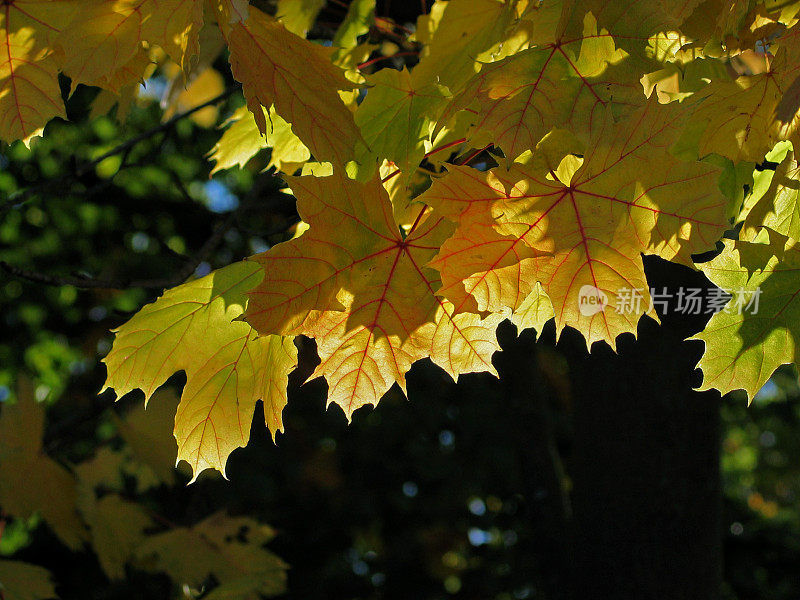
x: 517, y: 168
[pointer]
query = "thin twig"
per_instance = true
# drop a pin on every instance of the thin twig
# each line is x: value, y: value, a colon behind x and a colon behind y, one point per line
x: 125, y: 147
x: 120, y: 284
x: 179, y: 277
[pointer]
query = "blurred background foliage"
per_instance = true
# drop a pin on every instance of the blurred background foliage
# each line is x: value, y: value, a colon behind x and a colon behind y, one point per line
x: 438, y: 497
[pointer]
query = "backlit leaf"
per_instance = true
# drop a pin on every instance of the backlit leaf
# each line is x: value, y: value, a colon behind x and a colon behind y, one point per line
x: 108, y: 33
x: 397, y: 116
x: 272, y: 63
x: 459, y: 36
x: 361, y: 288
x: 242, y: 141
x: 298, y: 16
x: 743, y: 119
x: 30, y: 481
x: 29, y: 91
x: 228, y: 368
x: 229, y: 548
x: 746, y: 343
x: 565, y: 83
x: 779, y: 208
x: 594, y: 216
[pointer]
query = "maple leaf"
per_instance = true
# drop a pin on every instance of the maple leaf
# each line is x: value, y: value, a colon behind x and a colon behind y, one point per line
x: 746, y: 342
x: 566, y: 83
x: 228, y: 367
x: 23, y: 581
x: 108, y: 34
x: 360, y: 14
x: 148, y: 435
x: 594, y: 216
x: 230, y: 12
x: 298, y: 16
x: 30, y: 481
x: 466, y: 196
x: 148, y: 457
x: 130, y: 74
x: 534, y: 312
x: 175, y: 26
x: 397, y: 116
x: 29, y: 91
x: 117, y: 527
x: 230, y: 548
x: 271, y: 63
x: 732, y: 25
x: 243, y: 140
x: 779, y: 207
x: 743, y: 119
x: 459, y: 35
x: 635, y: 22
x: 360, y: 287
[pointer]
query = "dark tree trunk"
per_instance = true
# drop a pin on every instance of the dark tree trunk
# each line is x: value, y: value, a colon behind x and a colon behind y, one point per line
x: 646, y: 497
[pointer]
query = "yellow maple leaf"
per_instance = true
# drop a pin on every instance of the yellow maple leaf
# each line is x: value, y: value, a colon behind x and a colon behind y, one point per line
x: 397, y: 115
x: 29, y: 91
x: 590, y: 219
x: 361, y: 288
x: 228, y: 367
x: 30, y: 481
x: 462, y: 260
x: 743, y: 119
x: 459, y: 36
x: 298, y: 16
x: 242, y: 141
x: 757, y: 329
x: 129, y: 75
x: 272, y: 64
x: 566, y: 83
x: 108, y: 33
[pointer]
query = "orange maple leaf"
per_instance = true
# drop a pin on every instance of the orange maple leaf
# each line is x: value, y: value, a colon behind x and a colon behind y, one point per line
x: 361, y: 288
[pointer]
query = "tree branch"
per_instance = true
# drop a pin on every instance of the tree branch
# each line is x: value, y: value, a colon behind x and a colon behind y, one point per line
x: 125, y: 147
x: 120, y: 284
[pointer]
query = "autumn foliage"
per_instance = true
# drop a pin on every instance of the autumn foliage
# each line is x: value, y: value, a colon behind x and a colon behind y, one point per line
x: 535, y: 150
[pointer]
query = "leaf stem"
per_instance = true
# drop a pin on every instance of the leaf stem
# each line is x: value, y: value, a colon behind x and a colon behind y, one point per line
x: 380, y: 58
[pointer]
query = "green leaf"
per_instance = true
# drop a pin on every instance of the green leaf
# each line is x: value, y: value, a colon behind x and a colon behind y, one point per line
x: 397, y: 116
x: 356, y: 23
x: 243, y: 140
x: 745, y: 346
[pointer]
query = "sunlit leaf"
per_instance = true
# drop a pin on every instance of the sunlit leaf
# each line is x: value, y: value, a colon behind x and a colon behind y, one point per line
x: 361, y: 288
x: 272, y: 63
x: 228, y: 367
x: 757, y: 330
